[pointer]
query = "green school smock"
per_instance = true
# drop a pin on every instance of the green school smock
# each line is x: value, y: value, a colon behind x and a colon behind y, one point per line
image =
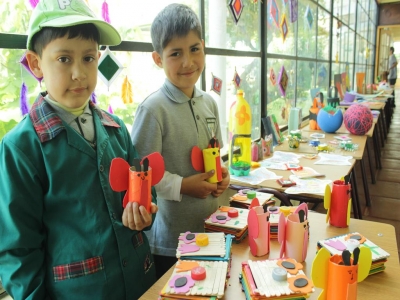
x: 61, y: 227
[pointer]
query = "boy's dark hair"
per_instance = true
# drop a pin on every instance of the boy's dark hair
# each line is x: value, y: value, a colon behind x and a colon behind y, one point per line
x: 175, y: 20
x: 85, y: 31
x: 392, y: 49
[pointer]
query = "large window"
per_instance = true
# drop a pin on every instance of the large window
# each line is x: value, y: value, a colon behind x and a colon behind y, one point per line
x: 322, y: 40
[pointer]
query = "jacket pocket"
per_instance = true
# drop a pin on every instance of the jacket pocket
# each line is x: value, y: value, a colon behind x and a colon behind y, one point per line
x: 78, y: 269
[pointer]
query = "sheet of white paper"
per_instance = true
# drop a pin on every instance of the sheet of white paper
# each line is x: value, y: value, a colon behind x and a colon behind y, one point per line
x: 333, y: 159
x: 256, y: 176
x: 307, y: 186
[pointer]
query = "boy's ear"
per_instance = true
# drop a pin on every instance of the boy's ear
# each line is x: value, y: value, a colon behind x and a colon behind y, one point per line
x: 34, y: 63
x: 157, y: 59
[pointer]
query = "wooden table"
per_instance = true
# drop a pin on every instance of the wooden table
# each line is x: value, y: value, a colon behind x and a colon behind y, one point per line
x: 384, y: 285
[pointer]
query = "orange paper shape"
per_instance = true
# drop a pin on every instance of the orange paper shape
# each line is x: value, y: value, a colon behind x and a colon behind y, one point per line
x: 184, y: 266
x: 352, y: 235
x: 297, y: 266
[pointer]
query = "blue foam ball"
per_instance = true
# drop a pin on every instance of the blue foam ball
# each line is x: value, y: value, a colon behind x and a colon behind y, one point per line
x: 330, y: 120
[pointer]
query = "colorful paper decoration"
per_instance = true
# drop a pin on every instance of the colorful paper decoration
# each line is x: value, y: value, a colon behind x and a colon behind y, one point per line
x: 126, y: 92
x: 24, y: 62
x: 236, y: 79
x: 93, y: 97
x: 283, y: 81
x: 274, y: 12
x: 104, y: 12
x: 293, y: 8
x: 284, y: 28
x: 236, y: 8
x: 33, y: 3
x: 109, y: 67
x: 216, y: 84
x: 309, y: 17
x: 272, y: 76
x: 23, y: 100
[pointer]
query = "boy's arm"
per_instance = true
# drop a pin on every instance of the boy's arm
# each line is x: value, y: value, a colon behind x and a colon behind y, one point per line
x: 22, y: 234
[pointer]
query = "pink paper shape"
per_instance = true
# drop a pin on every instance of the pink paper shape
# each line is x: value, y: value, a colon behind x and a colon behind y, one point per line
x: 188, y: 248
x: 183, y: 289
x: 338, y: 245
x: 215, y: 220
x: 186, y: 241
x: 282, y: 234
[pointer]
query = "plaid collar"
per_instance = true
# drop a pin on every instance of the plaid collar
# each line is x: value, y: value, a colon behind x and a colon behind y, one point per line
x: 48, y: 124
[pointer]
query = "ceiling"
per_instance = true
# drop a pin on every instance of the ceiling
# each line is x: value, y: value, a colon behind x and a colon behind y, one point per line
x: 394, y: 30
x: 387, y: 1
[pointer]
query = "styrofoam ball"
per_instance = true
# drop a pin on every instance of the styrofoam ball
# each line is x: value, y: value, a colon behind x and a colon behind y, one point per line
x: 358, y: 119
x: 330, y: 119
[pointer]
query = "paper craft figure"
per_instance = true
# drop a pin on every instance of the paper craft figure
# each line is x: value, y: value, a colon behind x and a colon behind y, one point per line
x: 293, y: 10
x: 138, y: 179
x: 284, y: 28
x: 309, y: 17
x: 109, y: 67
x: 283, y: 81
x: 338, y: 275
x: 338, y: 203
x: 259, y: 229
x: 208, y: 159
x: 293, y: 234
x: 272, y: 76
x: 236, y: 79
x: 274, y: 12
x: 236, y: 9
x: 216, y: 84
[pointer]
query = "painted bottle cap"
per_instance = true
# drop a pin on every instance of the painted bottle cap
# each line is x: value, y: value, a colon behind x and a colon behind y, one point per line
x: 202, y: 239
x: 233, y: 213
x: 198, y: 273
x: 279, y: 274
x: 285, y: 210
x: 251, y: 194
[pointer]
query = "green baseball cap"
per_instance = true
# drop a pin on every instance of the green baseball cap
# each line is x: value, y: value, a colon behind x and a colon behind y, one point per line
x: 65, y: 13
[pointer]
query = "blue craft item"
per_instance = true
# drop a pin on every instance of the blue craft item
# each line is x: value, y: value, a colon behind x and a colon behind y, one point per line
x: 329, y: 119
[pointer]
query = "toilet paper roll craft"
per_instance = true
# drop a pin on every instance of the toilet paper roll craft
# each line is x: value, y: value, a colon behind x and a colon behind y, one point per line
x: 338, y: 203
x: 338, y: 275
x: 314, y: 110
x: 208, y: 159
x: 293, y: 234
x: 259, y: 231
x: 268, y: 149
x: 138, y: 179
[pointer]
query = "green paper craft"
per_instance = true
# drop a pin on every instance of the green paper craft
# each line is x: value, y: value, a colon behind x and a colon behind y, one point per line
x: 109, y: 67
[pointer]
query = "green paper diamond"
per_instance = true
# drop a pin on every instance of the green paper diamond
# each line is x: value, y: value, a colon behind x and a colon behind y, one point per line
x: 108, y: 67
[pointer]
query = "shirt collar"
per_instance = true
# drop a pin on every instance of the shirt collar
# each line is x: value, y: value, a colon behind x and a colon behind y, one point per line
x: 176, y: 95
x: 48, y: 124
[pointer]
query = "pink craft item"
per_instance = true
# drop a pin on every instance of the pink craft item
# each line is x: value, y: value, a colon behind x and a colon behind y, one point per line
x: 258, y: 227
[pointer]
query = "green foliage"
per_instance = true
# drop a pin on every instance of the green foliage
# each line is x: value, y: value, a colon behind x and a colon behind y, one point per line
x: 6, y: 127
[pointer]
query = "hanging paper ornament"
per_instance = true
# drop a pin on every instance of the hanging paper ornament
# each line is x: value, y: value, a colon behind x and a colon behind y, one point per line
x: 109, y: 67
x: 283, y: 81
x: 272, y: 76
x: 24, y: 62
x: 23, y: 100
x: 110, y: 110
x: 284, y: 2
x: 104, y: 12
x: 127, y: 91
x: 284, y: 28
x: 93, y: 97
x: 236, y: 8
x: 293, y: 8
x: 33, y: 3
x: 309, y: 17
x: 236, y: 79
x: 216, y: 84
x: 274, y: 12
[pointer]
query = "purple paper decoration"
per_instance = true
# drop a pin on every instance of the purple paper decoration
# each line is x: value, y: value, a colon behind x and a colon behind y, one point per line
x: 309, y: 17
x: 284, y: 28
x: 272, y: 76
x: 181, y: 289
x: 274, y: 12
x: 236, y: 8
x: 236, y: 79
x: 216, y: 84
x: 283, y: 81
x: 93, y: 97
x: 24, y: 62
x: 293, y: 8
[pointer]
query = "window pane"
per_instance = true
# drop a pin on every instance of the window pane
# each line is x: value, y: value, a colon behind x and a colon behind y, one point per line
x: 324, y: 20
x: 325, y: 3
x: 306, y: 42
x: 249, y: 70
x: 275, y: 39
x: 223, y: 32
x: 17, y: 14
x: 352, y: 18
x: 278, y: 104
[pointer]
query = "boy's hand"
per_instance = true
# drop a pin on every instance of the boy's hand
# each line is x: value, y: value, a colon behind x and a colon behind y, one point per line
x: 197, y: 186
x: 222, y: 186
x: 137, y: 218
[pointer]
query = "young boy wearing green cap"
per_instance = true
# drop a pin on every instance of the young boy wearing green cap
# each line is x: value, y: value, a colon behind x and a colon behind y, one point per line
x: 64, y: 232
x: 172, y: 121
